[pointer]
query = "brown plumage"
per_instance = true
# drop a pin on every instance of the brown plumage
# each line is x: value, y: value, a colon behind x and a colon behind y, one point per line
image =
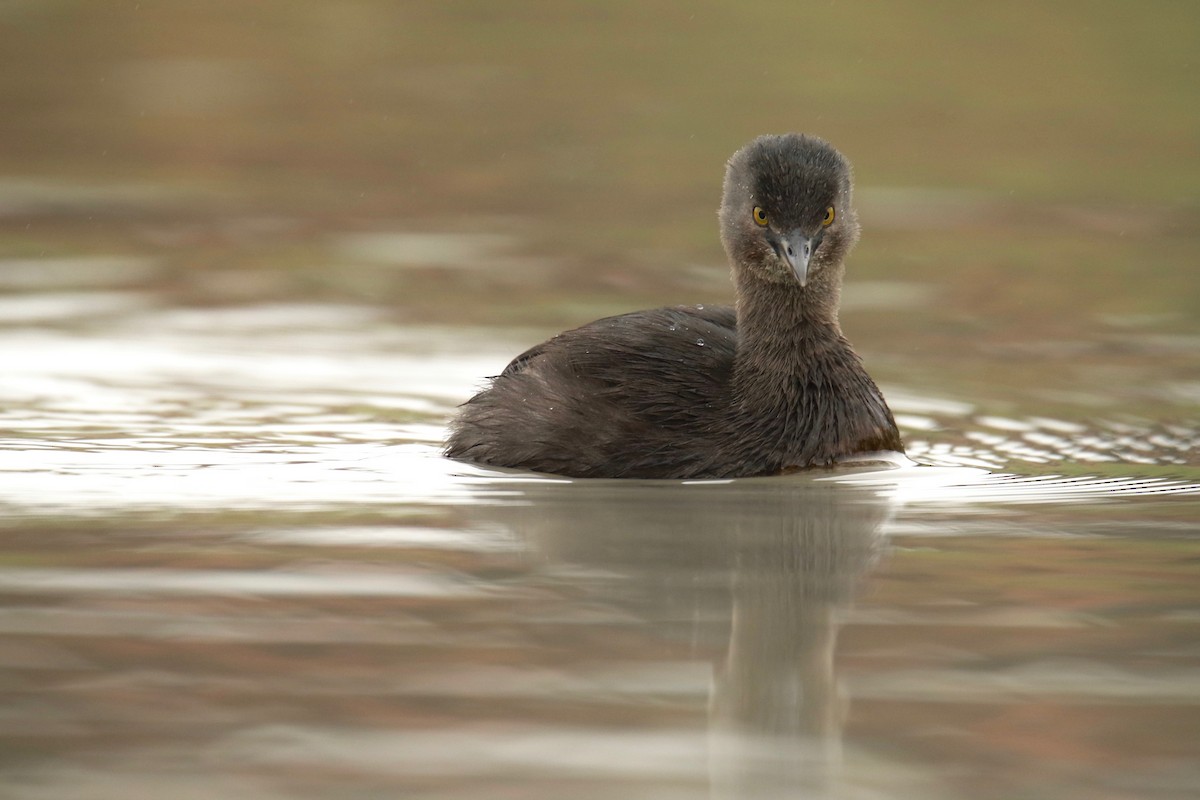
x: 707, y: 391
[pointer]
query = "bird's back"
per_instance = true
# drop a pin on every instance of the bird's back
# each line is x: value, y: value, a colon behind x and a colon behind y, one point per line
x: 635, y: 395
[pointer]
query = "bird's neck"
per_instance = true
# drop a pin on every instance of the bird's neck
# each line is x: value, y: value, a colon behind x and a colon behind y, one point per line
x: 799, y: 392
x: 784, y: 328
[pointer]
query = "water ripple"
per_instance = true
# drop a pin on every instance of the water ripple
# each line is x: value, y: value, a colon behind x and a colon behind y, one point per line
x: 318, y: 406
x: 246, y: 582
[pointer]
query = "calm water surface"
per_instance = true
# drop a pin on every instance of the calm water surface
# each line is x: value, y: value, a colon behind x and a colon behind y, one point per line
x: 253, y: 255
x: 234, y: 564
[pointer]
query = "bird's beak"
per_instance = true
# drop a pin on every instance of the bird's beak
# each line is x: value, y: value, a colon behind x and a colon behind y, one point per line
x: 797, y: 249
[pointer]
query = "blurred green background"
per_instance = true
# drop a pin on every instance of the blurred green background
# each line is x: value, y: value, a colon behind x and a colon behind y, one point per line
x: 1028, y: 172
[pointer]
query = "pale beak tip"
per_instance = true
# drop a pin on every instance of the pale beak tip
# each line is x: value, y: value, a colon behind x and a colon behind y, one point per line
x: 798, y: 250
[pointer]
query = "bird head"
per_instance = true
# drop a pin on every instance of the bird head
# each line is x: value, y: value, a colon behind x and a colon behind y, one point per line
x: 786, y: 214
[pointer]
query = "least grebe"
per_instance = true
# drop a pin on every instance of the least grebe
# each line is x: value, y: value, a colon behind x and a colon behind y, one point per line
x: 768, y: 386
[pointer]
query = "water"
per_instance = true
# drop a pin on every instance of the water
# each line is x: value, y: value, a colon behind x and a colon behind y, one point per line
x: 251, y: 260
x: 232, y: 548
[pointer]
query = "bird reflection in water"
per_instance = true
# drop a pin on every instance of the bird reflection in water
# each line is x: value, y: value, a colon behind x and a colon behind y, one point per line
x: 753, y: 575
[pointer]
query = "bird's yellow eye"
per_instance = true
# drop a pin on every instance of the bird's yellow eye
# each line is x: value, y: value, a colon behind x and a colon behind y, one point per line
x: 760, y: 216
x: 829, y: 215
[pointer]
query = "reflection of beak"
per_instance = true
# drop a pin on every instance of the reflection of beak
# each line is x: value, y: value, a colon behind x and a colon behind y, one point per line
x: 797, y: 249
